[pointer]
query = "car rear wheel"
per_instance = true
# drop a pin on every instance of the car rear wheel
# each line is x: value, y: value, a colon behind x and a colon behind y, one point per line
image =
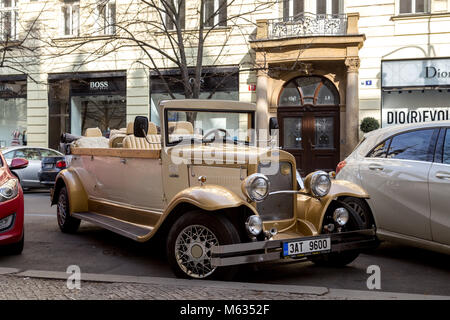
x: 354, y: 223
x: 66, y: 222
x: 190, y: 241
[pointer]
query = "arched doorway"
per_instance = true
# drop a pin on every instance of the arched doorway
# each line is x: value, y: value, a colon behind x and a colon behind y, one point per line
x: 308, y: 116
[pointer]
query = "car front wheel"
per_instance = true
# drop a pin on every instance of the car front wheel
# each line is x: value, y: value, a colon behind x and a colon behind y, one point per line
x: 190, y: 241
x: 66, y: 222
x: 358, y: 220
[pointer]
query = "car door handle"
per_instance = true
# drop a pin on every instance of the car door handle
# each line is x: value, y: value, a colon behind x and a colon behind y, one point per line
x: 443, y: 175
x: 375, y: 167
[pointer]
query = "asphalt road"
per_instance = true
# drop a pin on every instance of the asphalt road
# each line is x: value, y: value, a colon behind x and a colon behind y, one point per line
x: 403, y: 269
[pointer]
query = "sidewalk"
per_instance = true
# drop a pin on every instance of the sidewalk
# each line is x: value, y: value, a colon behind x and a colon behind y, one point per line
x: 43, y: 285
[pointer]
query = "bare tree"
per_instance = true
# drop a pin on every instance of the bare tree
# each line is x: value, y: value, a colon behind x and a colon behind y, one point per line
x: 171, y: 34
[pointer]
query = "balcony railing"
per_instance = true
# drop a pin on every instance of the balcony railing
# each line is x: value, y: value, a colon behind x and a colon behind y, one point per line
x: 307, y: 24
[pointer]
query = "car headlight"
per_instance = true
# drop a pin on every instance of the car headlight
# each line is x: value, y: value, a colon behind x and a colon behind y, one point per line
x: 7, y: 222
x: 9, y: 190
x: 254, y: 225
x: 256, y: 187
x: 340, y: 216
x: 320, y: 183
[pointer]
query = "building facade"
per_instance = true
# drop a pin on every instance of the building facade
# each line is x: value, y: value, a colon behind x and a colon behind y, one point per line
x: 317, y: 66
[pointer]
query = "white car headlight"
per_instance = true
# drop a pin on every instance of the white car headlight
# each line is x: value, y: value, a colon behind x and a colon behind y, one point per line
x: 254, y: 225
x: 9, y: 190
x: 341, y: 215
x: 256, y: 186
x: 320, y: 183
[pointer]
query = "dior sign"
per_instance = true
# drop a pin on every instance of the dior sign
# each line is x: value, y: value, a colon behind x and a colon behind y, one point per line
x: 415, y: 73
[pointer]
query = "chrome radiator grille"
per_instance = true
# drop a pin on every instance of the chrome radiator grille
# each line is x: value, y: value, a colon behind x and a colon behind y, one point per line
x: 279, y: 206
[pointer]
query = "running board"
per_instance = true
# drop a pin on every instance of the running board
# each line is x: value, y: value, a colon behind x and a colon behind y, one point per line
x: 121, y: 227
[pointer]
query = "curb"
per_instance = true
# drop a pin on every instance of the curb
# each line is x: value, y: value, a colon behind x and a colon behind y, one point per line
x: 306, y: 290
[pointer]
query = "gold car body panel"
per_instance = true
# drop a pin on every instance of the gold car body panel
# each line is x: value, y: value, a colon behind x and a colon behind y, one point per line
x: 313, y: 210
x: 78, y: 198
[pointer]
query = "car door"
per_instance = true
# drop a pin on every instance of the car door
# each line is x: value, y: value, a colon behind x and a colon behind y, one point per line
x: 395, y: 174
x: 29, y: 175
x: 439, y: 180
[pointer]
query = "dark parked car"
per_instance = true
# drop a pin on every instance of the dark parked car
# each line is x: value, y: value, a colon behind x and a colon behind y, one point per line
x: 50, y: 167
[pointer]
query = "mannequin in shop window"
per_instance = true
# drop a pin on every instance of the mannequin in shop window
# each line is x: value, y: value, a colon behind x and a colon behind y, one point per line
x: 16, y: 137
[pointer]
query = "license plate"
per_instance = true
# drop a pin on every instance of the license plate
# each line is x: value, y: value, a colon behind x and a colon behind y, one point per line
x: 48, y: 165
x: 306, y: 247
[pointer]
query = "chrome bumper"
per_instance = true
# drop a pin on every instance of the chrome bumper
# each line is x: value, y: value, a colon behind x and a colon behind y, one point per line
x: 270, y: 250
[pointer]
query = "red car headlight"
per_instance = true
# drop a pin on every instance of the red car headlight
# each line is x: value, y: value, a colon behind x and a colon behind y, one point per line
x: 9, y: 190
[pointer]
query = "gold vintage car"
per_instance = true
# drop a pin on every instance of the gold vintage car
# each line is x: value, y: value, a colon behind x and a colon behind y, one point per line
x: 216, y: 199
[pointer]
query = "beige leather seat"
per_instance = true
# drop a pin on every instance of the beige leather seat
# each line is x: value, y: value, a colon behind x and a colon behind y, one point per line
x: 131, y: 142
x: 93, y: 132
x: 181, y: 127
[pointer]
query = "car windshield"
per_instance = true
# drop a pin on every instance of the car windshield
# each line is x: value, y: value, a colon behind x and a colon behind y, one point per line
x: 209, y: 126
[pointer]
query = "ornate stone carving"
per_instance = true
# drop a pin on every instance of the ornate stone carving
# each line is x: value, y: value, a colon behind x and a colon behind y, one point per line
x: 352, y: 64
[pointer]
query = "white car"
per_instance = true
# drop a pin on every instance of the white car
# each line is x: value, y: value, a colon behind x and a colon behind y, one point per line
x: 406, y: 171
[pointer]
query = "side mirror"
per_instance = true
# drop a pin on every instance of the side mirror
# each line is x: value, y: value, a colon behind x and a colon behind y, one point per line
x: 140, y: 127
x: 18, y: 163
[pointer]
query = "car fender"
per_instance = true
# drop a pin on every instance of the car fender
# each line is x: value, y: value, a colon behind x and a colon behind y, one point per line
x: 78, y: 199
x: 208, y: 198
x: 313, y: 210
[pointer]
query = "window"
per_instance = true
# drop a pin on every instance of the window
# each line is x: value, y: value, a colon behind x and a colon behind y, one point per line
x: 446, y: 156
x: 328, y: 7
x: 8, y: 19
x: 29, y: 154
x: 292, y: 8
x: 215, y: 13
x: 48, y: 153
x: 415, y: 145
x: 380, y: 151
x: 9, y: 155
x: 70, y: 18
x: 176, y: 11
x: 413, y: 6
x: 106, y: 17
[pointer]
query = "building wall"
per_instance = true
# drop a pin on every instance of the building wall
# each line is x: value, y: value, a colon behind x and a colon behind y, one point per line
x: 390, y: 36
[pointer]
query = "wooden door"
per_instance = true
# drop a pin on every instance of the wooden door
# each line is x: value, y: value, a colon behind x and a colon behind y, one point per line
x: 311, y: 136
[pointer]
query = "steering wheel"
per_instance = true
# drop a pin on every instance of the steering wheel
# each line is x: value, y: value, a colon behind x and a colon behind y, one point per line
x: 216, y: 134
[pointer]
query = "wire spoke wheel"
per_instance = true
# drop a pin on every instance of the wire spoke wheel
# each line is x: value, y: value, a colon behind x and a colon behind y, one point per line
x: 193, y: 251
x: 61, y: 209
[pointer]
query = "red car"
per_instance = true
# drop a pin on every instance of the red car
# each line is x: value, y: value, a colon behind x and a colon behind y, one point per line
x: 11, y: 207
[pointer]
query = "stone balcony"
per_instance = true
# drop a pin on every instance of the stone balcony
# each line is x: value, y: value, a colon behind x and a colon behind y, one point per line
x: 307, y: 25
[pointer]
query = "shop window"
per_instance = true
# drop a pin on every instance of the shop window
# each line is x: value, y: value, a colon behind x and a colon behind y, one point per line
x: 215, y: 13
x: 413, y: 6
x: 216, y: 83
x: 176, y: 11
x: 13, y: 112
x: 106, y: 17
x: 70, y: 18
x: 9, y: 14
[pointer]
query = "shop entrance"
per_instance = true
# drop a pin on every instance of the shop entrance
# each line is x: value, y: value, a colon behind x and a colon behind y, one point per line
x: 308, y: 115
